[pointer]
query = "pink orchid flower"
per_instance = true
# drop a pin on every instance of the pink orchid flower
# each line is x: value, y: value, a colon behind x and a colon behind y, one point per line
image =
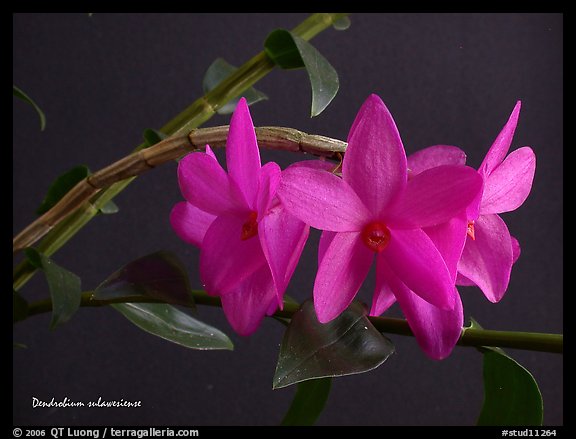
x: 373, y: 210
x: 249, y: 243
x: 490, y: 251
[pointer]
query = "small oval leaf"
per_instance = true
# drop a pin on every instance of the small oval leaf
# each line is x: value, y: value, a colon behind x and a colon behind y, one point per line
x: 347, y: 345
x: 109, y: 208
x: 511, y: 394
x: 218, y: 71
x: 24, y: 97
x: 65, y: 287
x: 159, y: 275
x: 61, y: 186
x: 289, y: 51
x: 308, y: 403
x: 171, y: 324
x: 341, y: 23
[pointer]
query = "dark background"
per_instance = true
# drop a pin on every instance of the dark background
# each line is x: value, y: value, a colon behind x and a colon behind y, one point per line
x: 446, y: 78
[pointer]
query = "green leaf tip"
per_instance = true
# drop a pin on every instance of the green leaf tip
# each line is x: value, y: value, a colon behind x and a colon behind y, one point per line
x: 342, y: 23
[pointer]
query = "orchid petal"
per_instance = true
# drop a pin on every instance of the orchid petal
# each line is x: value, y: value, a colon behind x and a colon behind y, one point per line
x: 515, y: 249
x: 509, y: 184
x: 383, y: 297
x: 190, y: 223
x: 325, y: 240
x: 204, y: 184
x: 433, y: 156
x: 242, y: 154
x: 226, y: 259
x: 463, y: 281
x: 375, y: 161
x: 282, y: 237
x: 246, y: 306
x: 501, y: 145
x: 210, y: 153
x: 434, y: 196
x: 322, y: 200
x: 416, y: 261
x: 449, y: 238
x: 269, y: 180
x: 344, y: 267
x: 436, y: 330
x: 487, y: 260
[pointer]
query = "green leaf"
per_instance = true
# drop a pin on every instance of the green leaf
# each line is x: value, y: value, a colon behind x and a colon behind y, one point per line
x: 159, y: 275
x: 23, y: 96
x: 171, y: 324
x: 308, y: 403
x: 64, y: 286
x: 341, y: 23
x: 109, y: 208
x: 289, y: 51
x: 511, y: 394
x: 347, y: 345
x: 19, y: 307
x: 218, y: 71
x: 16, y: 345
x: 61, y: 186
x: 152, y: 136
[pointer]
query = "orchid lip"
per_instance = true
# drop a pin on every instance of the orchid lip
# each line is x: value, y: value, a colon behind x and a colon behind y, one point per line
x: 376, y: 236
x: 250, y: 227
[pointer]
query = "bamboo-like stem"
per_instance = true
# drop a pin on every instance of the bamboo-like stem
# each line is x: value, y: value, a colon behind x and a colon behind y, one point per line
x: 197, y: 113
x: 287, y: 139
x: 474, y: 337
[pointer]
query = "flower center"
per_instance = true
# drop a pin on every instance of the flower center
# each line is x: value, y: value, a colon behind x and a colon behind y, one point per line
x: 470, y: 229
x: 376, y: 236
x: 250, y: 227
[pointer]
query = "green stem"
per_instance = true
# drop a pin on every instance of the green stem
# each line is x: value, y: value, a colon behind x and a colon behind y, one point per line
x: 192, y: 117
x: 476, y: 337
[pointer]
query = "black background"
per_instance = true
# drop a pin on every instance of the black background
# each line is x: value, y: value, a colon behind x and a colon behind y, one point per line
x: 446, y: 78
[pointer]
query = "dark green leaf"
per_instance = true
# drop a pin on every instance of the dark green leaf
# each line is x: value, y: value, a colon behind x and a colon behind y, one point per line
x: 290, y: 51
x: 152, y: 136
x: 61, y: 186
x: 109, y: 208
x: 341, y: 23
x: 173, y: 325
x: 218, y: 71
x: 347, y: 345
x: 511, y: 394
x: 159, y: 275
x: 64, y: 286
x: 16, y: 345
x: 19, y: 307
x: 23, y: 96
x: 308, y: 403
x: 280, y: 47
